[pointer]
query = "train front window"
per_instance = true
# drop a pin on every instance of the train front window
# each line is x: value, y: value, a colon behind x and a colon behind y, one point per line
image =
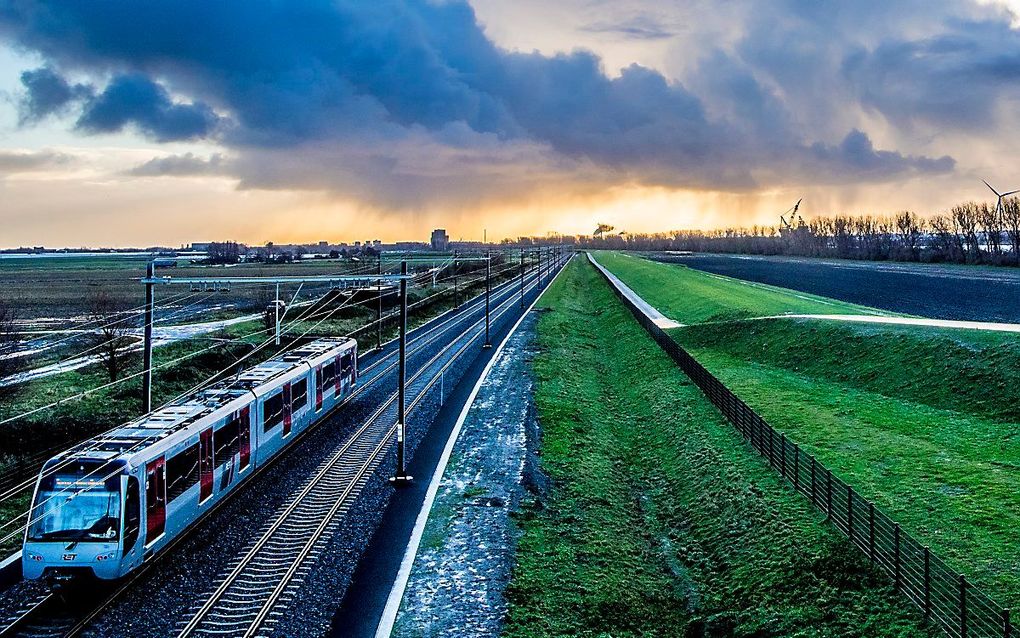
x: 85, y: 515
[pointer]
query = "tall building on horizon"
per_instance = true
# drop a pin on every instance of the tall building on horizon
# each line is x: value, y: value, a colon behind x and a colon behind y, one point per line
x: 440, y: 240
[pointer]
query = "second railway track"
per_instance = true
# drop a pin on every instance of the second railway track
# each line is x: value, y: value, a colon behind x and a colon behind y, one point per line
x: 269, y: 573
x: 47, y: 615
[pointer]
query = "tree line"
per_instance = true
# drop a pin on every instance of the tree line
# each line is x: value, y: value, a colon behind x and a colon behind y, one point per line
x: 969, y: 233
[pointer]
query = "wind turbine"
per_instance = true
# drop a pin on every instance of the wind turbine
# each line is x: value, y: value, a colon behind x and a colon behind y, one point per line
x: 998, y: 202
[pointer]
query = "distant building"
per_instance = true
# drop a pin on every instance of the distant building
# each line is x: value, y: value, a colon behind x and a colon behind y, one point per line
x: 440, y: 240
x: 200, y: 246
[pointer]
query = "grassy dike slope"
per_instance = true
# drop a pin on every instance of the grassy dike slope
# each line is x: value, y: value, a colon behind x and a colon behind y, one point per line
x: 657, y: 520
x: 922, y: 421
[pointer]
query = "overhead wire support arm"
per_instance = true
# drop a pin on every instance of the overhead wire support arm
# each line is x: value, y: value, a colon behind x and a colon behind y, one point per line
x: 337, y: 281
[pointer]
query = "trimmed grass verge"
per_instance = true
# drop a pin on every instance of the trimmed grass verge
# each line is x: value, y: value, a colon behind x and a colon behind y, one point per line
x: 659, y: 521
x: 922, y: 421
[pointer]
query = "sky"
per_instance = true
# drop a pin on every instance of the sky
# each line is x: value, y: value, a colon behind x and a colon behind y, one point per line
x: 170, y: 121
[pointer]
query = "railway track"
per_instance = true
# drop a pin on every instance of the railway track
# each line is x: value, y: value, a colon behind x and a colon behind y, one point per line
x: 266, y: 578
x: 48, y: 615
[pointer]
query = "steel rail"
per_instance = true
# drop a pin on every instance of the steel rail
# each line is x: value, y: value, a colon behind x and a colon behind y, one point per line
x: 427, y: 335
x: 294, y: 561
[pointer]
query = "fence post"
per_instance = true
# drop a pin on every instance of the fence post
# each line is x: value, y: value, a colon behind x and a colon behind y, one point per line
x: 850, y: 513
x: 963, y: 606
x: 782, y: 454
x: 814, y: 496
x: 927, y: 582
x: 796, y: 467
x: 772, y: 450
x: 1007, y: 626
x: 828, y: 495
x: 871, y: 531
x: 896, y: 544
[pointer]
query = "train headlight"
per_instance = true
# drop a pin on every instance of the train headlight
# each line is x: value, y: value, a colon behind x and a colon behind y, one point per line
x: 33, y: 556
x: 107, y: 556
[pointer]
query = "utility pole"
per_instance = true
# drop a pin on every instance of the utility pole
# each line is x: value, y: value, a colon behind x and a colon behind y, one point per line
x: 378, y: 308
x: 488, y: 287
x: 456, y: 293
x: 401, y: 477
x: 276, y: 314
x: 150, y: 272
x: 522, y: 278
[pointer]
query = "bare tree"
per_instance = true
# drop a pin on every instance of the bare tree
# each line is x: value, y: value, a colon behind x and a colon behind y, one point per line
x: 110, y: 336
x: 965, y: 220
x: 1011, y: 221
x: 909, y: 229
x: 991, y: 226
x: 9, y: 339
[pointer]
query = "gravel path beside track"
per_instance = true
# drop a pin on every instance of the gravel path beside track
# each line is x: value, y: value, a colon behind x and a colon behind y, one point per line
x: 459, y: 575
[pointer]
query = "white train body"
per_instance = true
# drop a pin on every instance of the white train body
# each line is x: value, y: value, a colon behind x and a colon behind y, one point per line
x: 111, y: 503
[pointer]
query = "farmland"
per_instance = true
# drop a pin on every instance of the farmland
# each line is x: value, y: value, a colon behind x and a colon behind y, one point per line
x: 945, y: 291
x: 48, y: 290
x: 921, y: 420
x: 658, y: 522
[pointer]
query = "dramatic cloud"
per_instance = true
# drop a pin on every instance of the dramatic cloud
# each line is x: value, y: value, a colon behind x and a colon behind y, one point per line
x: 186, y: 165
x: 134, y: 99
x: 46, y: 93
x: 388, y: 100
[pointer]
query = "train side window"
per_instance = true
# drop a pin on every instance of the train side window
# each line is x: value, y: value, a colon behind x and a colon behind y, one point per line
x: 300, y: 394
x: 181, y: 472
x: 329, y: 375
x: 272, y: 412
x: 226, y: 441
x: 132, y: 514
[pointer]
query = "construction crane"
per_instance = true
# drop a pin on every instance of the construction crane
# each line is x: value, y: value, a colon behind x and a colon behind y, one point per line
x: 794, y: 221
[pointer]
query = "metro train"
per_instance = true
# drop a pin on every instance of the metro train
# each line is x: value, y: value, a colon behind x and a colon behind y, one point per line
x: 112, y: 503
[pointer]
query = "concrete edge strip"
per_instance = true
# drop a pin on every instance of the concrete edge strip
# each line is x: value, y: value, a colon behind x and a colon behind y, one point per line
x: 989, y: 326
x: 659, y: 319
x: 389, y: 615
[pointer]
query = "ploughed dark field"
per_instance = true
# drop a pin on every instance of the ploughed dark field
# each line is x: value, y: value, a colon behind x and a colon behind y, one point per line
x: 972, y: 293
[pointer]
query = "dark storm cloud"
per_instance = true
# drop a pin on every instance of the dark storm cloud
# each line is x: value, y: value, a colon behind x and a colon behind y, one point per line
x: 856, y: 158
x: 136, y: 100
x: 951, y: 79
x: 320, y: 81
x: 186, y: 165
x: 46, y: 93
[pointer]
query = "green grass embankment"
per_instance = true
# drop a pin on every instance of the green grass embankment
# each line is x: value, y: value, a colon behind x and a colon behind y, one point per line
x: 922, y: 421
x: 658, y: 521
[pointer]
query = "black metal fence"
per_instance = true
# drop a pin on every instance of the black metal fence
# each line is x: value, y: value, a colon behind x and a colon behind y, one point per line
x: 944, y: 596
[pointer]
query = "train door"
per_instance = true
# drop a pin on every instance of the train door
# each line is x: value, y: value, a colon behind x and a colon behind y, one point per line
x: 244, y: 437
x: 132, y: 515
x: 338, y: 369
x: 318, y: 388
x: 205, y: 464
x: 288, y: 409
x: 155, y: 499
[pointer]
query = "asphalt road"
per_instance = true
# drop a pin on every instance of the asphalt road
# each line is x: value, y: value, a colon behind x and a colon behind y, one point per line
x: 970, y: 293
